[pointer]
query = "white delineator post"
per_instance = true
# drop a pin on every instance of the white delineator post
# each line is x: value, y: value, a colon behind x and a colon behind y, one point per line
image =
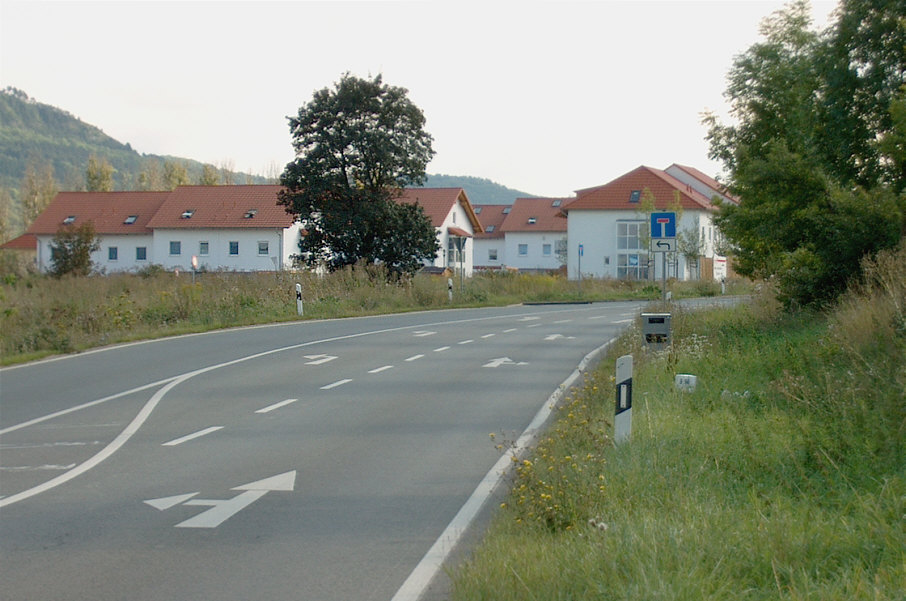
x: 622, y: 423
x: 299, y: 299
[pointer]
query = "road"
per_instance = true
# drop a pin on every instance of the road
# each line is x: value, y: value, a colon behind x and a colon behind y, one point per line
x: 311, y: 460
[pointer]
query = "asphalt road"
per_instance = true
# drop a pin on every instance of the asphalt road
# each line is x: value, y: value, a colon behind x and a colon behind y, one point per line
x: 312, y: 460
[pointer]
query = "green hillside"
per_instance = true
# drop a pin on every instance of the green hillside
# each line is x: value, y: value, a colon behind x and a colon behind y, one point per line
x: 479, y: 190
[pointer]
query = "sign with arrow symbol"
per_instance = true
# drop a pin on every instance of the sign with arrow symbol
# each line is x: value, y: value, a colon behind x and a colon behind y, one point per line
x: 223, y: 509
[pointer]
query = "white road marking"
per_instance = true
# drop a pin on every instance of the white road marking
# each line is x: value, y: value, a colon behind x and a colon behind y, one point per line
x: 530, y: 318
x: 556, y: 336
x: 414, y: 358
x: 423, y: 333
x: 441, y: 349
x: 562, y: 321
x: 270, y: 408
x: 510, y: 330
x: 48, y: 444
x: 319, y: 359
x: 625, y: 321
x: 489, y: 335
x: 337, y: 383
x: 378, y: 370
x: 168, y: 502
x: 533, y: 325
x: 193, y: 436
x: 466, y: 342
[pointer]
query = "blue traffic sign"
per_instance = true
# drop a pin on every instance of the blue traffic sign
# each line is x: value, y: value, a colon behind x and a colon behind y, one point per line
x: 663, y: 225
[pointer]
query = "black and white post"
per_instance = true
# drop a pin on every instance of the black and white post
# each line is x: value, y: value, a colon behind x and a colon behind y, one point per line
x: 622, y: 423
x: 299, y: 299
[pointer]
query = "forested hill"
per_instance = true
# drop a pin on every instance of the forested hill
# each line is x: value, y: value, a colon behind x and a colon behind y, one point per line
x: 41, y: 136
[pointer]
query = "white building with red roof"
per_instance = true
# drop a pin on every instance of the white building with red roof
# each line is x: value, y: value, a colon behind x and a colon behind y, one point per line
x: 535, y: 233
x: 489, y: 251
x: 610, y: 225
x: 454, y: 219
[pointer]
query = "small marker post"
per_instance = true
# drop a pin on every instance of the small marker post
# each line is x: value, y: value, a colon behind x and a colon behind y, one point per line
x: 622, y: 423
x: 299, y: 299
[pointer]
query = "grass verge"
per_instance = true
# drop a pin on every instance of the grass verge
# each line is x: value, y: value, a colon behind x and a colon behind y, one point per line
x: 782, y: 476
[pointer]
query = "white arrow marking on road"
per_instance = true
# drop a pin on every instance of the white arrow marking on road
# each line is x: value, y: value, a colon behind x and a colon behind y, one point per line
x: 502, y: 361
x: 223, y: 509
x: 556, y: 336
x: 423, y: 333
x: 318, y: 359
x: 168, y: 502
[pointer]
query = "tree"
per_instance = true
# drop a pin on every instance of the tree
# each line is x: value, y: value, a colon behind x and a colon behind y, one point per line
x: 37, y: 190
x: 99, y: 175
x: 175, y: 174
x: 71, y: 250
x: 810, y: 155
x: 357, y: 146
x: 209, y: 176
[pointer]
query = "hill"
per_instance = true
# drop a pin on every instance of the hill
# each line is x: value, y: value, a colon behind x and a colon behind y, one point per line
x: 42, y: 135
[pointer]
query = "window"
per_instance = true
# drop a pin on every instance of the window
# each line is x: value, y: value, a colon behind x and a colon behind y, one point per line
x: 632, y: 258
x: 141, y: 253
x: 546, y: 250
x: 175, y: 248
x: 234, y: 248
x: 204, y: 248
x: 112, y: 253
x: 250, y: 214
x: 532, y: 220
x: 130, y: 219
x: 69, y: 220
x: 264, y: 248
x: 492, y: 254
x: 557, y: 202
x: 454, y: 217
x: 477, y: 210
x: 489, y: 229
x: 506, y: 210
x: 523, y: 250
x: 635, y: 195
x: 187, y: 214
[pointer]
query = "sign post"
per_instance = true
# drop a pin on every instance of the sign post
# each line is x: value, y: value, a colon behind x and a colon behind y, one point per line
x: 622, y: 423
x: 299, y: 299
x: 663, y: 240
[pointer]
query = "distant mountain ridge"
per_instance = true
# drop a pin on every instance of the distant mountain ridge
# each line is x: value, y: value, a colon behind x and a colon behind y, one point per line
x: 41, y: 134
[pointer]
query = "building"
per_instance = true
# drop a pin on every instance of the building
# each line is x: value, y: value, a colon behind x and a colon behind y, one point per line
x: 455, y: 221
x: 608, y: 226
x: 489, y: 249
x: 535, y: 233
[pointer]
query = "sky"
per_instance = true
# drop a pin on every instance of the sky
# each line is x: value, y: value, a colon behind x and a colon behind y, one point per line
x: 544, y: 97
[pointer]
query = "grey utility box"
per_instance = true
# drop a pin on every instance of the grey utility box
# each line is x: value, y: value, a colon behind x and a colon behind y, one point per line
x: 656, y: 330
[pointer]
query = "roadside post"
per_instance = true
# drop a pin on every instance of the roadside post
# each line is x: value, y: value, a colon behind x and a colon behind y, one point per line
x: 581, y: 252
x: 450, y: 289
x: 622, y: 423
x: 299, y: 299
x: 194, y: 266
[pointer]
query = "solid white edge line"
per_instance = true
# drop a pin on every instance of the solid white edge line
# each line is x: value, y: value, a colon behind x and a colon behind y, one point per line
x: 432, y: 563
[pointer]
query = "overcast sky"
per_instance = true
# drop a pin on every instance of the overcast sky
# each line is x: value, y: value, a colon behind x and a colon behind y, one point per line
x: 544, y: 97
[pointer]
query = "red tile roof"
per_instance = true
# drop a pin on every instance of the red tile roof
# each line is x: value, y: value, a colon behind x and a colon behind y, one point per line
x: 437, y: 203
x: 108, y: 211
x: 536, y: 215
x: 492, y: 216
x: 250, y: 206
x: 23, y: 242
x: 616, y: 194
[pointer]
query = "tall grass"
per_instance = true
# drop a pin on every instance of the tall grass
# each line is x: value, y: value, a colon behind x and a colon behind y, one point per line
x: 782, y: 476
x: 41, y: 315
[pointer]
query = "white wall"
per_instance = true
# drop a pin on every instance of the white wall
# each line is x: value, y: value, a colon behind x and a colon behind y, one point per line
x: 126, y: 253
x: 534, y: 243
x: 480, y: 249
x: 218, y: 256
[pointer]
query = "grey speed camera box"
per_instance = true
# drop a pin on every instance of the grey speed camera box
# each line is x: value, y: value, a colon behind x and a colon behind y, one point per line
x: 656, y: 330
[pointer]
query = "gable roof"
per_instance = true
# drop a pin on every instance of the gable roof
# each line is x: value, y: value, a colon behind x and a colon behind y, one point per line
x: 536, y: 215
x: 23, y: 242
x: 438, y: 202
x: 492, y: 217
x: 620, y: 194
x: 244, y: 206
x: 108, y: 211
x: 709, y: 183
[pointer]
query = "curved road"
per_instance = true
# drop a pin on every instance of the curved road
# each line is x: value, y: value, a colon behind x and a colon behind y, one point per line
x: 310, y: 460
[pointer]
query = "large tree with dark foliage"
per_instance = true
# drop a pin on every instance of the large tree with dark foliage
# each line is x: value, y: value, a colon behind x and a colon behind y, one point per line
x: 814, y: 153
x: 357, y: 146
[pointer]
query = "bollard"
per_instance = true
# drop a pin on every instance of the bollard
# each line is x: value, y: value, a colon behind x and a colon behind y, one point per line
x: 622, y: 422
x: 299, y: 299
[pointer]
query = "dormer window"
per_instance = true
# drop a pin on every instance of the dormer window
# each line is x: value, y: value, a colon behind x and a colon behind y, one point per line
x: 557, y: 202
x: 532, y: 221
x: 250, y: 214
x: 187, y: 214
x: 69, y: 220
x: 635, y: 195
x: 130, y: 219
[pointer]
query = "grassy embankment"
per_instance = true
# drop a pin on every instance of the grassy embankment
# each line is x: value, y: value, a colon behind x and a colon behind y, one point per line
x: 40, y: 315
x: 782, y: 476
